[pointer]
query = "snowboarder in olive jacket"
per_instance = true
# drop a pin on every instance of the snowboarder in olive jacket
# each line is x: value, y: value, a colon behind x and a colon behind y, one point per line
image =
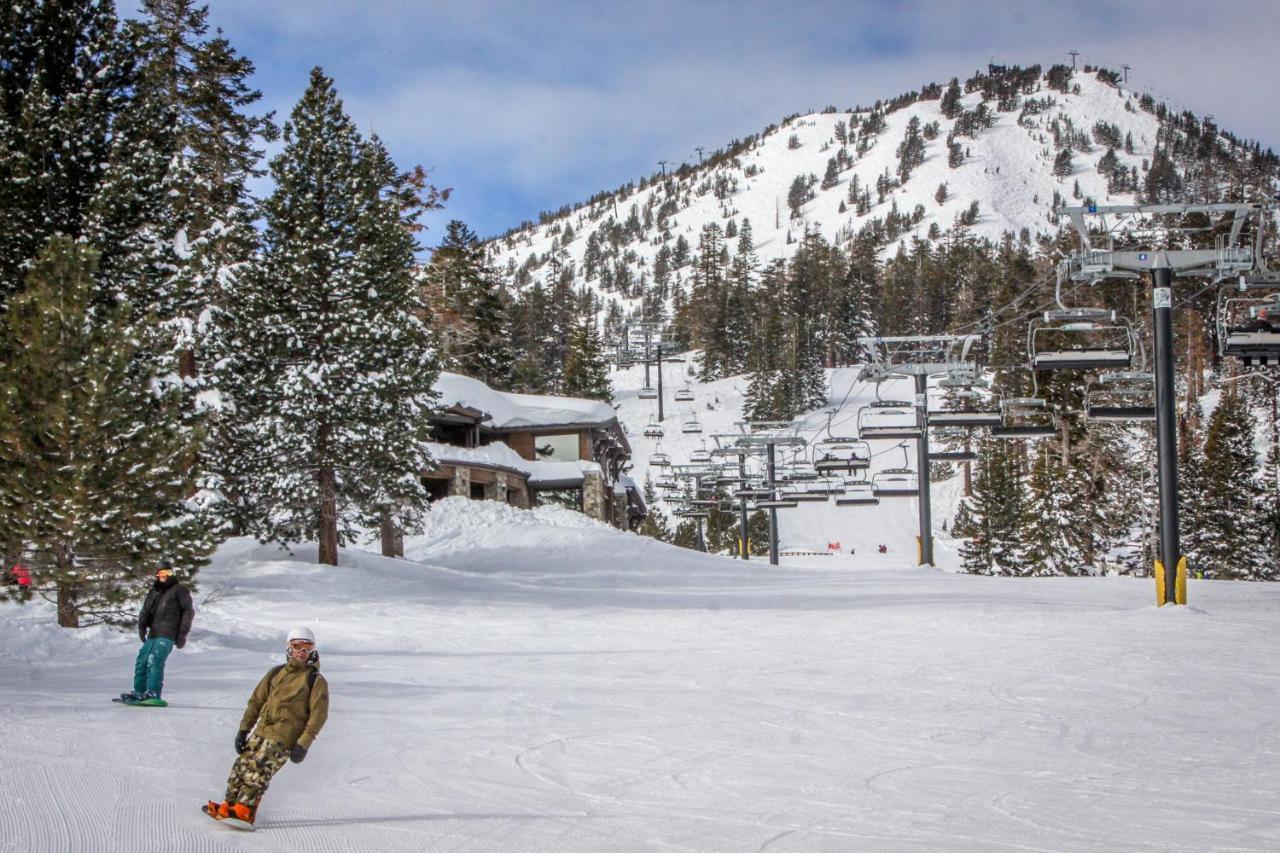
x: 288, y: 707
x: 163, y: 624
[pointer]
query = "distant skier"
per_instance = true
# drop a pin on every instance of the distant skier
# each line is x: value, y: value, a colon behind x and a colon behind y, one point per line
x: 288, y: 707
x: 166, y: 616
x: 884, y: 549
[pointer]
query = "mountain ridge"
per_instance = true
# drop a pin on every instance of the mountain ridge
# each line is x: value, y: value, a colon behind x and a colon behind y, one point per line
x: 1001, y: 147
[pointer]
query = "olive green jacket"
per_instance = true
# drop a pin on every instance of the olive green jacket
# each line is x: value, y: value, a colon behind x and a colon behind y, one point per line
x: 285, y: 710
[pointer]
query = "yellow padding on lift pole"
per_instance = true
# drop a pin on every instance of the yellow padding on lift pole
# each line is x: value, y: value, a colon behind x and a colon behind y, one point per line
x: 1159, y: 584
x: 1180, y: 585
x: 919, y: 551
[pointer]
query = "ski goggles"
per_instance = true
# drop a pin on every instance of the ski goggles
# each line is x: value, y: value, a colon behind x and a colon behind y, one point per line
x: 301, y: 645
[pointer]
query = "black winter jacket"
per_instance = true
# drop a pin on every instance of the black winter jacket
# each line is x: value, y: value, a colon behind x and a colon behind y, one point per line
x: 167, y: 612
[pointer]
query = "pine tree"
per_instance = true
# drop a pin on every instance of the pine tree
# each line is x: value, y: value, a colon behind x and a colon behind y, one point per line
x: 910, y: 150
x: 758, y: 534
x: 995, y: 518
x: 655, y: 522
x: 950, y: 104
x: 332, y: 373
x: 93, y: 454
x: 585, y: 372
x: 1062, y: 164
x: 1229, y: 539
x: 832, y: 176
x: 468, y: 308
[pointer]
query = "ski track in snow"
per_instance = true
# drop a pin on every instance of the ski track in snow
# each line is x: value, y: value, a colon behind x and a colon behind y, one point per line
x: 534, y: 681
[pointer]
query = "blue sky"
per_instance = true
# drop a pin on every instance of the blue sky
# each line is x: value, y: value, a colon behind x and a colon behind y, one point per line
x: 527, y: 106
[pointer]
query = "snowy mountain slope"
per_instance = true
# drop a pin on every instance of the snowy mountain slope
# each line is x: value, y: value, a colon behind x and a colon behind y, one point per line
x: 586, y: 696
x: 1008, y: 172
x: 718, y: 408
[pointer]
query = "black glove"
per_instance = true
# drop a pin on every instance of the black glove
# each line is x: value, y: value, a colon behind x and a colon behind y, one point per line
x: 181, y: 643
x: 298, y: 753
x: 242, y: 741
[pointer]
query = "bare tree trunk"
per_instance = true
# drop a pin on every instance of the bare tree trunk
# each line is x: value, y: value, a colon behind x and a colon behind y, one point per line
x: 68, y: 590
x: 392, y: 537
x: 328, y: 517
x: 68, y: 599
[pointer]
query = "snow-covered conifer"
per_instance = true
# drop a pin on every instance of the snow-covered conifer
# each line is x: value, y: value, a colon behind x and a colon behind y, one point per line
x: 330, y: 381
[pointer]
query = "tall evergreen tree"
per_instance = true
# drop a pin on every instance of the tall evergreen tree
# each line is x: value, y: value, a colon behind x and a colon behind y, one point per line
x: 332, y: 373
x: 93, y: 454
x: 910, y: 150
x: 994, y: 519
x: 469, y: 308
x: 585, y: 372
x: 655, y: 522
x: 1229, y: 537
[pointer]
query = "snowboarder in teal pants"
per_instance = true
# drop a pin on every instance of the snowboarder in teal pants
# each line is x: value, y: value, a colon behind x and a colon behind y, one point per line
x: 166, y: 617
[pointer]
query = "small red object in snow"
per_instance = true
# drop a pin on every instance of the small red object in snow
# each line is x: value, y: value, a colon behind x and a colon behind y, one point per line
x: 833, y: 546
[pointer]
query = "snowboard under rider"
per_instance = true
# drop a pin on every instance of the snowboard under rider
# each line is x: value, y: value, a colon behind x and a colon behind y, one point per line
x: 163, y: 624
x: 285, y: 713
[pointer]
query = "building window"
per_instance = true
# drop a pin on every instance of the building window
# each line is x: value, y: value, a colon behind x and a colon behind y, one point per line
x: 477, y: 491
x: 560, y: 448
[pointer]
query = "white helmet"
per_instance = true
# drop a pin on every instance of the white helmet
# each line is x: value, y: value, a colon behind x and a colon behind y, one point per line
x: 302, y: 633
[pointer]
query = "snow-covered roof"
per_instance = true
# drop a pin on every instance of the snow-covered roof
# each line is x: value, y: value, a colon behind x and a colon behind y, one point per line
x: 511, y: 411
x: 559, y: 475
x: 495, y: 455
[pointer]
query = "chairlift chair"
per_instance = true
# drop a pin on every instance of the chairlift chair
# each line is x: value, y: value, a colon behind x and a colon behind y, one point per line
x: 653, y: 429
x: 853, y: 456
x: 1125, y: 396
x: 752, y: 493
x: 888, y: 419
x: 798, y: 495
x: 658, y: 459
x: 701, y: 455
x: 895, y: 483
x: 691, y: 426
x: 1249, y: 323
x: 1080, y: 339
x: 970, y: 414
x: 952, y: 455
x: 648, y: 392
x: 826, y: 486
x: 860, y: 493
x: 776, y: 503
x: 684, y: 395
x: 1025, y: 417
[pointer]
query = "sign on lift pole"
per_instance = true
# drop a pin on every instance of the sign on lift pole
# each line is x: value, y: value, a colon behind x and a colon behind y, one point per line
x: 1093, y: 264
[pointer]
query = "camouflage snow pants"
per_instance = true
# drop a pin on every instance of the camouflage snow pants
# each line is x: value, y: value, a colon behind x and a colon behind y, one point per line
x: 252, y: 772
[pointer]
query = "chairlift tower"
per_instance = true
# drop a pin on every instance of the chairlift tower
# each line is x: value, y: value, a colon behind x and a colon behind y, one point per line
x: 921, y: 356
x: 727, y: 446
x: 769, y: 436
x: 1095, y: 262
x: 652, y: 334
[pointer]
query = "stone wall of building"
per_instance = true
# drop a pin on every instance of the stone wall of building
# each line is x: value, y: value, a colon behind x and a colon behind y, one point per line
x: 594, y: 496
